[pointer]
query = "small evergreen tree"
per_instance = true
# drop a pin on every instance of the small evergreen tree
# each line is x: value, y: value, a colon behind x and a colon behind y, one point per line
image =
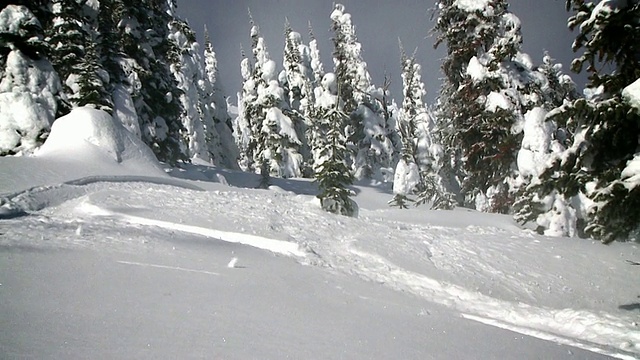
x: 331, y: 170
x: 544, y: 141
x: 417, y: 171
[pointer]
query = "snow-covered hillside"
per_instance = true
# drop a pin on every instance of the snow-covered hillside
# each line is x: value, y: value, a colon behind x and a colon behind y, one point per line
x: 105, y: 254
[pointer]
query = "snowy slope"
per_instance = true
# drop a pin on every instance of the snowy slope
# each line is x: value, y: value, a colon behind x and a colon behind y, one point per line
x: 94, y: 235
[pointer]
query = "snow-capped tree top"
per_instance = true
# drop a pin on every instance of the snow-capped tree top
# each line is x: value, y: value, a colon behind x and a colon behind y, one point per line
x: 295, y: 37
x: 18, y: 20
x: 511, y: 27
x: 473, y: 5
x: 476, y: 70
x: 338, y: 13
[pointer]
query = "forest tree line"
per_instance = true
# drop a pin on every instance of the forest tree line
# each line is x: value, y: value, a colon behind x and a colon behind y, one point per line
x: 507, y: 134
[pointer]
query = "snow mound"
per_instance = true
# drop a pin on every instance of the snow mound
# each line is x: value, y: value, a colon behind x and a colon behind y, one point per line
x: 95, y: 131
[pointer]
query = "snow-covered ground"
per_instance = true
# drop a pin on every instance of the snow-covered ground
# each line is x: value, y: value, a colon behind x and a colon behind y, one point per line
x: 104, y: 254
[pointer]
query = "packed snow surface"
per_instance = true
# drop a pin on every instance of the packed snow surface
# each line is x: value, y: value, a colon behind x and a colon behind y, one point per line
x: 210, y: 267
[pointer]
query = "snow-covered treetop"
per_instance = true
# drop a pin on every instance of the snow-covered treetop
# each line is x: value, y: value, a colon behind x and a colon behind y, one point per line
x: 472, y: 5
x: 314, y: 54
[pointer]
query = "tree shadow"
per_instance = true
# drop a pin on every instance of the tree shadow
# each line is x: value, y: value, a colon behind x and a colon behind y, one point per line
x: 631, y: 306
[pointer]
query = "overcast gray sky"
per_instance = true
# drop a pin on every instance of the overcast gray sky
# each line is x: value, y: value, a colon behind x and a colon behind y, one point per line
x: 379, y: 24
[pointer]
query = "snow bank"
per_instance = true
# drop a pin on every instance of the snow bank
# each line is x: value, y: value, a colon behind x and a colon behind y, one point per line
x: 86, y: 131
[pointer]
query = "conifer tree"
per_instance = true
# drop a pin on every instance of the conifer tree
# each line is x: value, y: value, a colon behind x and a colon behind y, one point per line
x: 144, y: 33
x: 544, y: 141
x: 189, y: 73
x: 246, y: 113
x: 295, y: 80
x: 314, y: 98
x: 368, y: 142
x: 417, y: 170
x: 219, y: 138
x: 76, y: 54
x: 483, y: 100
x: 598, y: 169
x: 272, y: 146
x: 331, y: 169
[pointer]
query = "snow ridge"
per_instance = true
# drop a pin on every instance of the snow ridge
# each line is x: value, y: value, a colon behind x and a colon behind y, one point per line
x: 37, y: 198
x: 276, y: 246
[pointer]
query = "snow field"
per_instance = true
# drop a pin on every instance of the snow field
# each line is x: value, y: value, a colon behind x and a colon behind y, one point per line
x: 91, y: 194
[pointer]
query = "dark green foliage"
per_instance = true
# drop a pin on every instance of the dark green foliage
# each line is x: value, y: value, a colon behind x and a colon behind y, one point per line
x: 157, y: 103
x: 93, y: 82
x: 479, y: 141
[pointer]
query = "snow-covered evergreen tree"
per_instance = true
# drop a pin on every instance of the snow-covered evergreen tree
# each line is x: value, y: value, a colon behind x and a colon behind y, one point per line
x: 417, y: 170
x: 330, y: 164
x: 313, y: 101
x: 189, y: 74
x: 599, y: 170
x: 29, y: 86
x: 271, y: 147
x: 482, y: 103
x: 371, y: 149
x: 544, y: 141
x: 144, y: 33
x: 315, y: 60
x: 296, y: 79
x: 124, y: 82
x: 219, y: 138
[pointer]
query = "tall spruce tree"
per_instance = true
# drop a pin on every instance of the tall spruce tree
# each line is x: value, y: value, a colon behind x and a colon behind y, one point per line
x: 296, y: 80
x: 219, y: 137
x: 144, y: 33
x: 370, y: 148
x: 483, y: 100
x: 189, y: 74
x: 76, y: 54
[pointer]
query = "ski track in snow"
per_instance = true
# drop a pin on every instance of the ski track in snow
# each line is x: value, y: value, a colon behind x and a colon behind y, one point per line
x: 440, y: 264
